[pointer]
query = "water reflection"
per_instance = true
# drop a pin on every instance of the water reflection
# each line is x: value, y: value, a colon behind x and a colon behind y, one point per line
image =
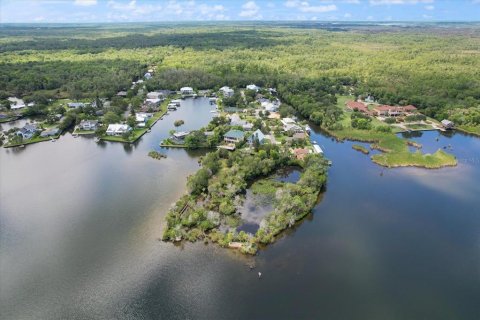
x: 80, y: 223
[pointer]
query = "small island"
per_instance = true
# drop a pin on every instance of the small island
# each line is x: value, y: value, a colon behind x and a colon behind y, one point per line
x: 156, y: 155
x: 360, y: 148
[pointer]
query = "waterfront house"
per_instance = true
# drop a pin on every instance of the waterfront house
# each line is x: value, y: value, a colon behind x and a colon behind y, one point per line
x: 227, y: 91
x: 234, y: 136
x: 290, y: 125
x: 50, y: 132
x: 257, y: 135
x: 27, y: 131
x: 16, y: 103
x: 142, y: 117
x: 447, y: 124
x: 117, y: 129
x: 253, y: 87
x: 186, y: 91
x: 152, y: 103
x: 88, y: 125
x: 179, y: 137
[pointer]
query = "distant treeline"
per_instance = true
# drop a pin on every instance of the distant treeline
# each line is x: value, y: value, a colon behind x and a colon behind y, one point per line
x: 197, y: 40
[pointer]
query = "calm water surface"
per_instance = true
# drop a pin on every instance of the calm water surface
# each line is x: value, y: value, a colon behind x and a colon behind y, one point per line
x: 80, y: 223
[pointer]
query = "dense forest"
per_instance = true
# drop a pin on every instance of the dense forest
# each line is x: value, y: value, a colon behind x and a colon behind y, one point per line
x: 436, y: 68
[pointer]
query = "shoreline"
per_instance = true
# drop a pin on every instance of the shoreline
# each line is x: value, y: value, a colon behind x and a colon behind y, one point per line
x: 396, y: 163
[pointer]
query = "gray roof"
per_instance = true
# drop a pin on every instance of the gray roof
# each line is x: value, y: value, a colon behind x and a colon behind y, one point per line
x: 257, y: 135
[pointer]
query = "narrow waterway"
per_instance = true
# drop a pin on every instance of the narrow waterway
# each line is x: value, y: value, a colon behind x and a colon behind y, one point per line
x: 80, y: 223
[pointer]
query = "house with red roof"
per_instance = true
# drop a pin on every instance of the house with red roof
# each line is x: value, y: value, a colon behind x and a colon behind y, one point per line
x: 357, y: 106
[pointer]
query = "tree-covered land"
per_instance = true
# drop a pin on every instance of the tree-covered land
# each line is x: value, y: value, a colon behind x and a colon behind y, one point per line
x: 210, y: 210
x: 434, y: 67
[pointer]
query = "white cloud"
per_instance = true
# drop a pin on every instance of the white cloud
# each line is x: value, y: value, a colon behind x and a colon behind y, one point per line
x: 305, y: 6
x: 426, y: 16
x: 250, y: 10
x: 85, y: 3
x: 430, y: 7
x: 395, y: 2
x: 347, y: 15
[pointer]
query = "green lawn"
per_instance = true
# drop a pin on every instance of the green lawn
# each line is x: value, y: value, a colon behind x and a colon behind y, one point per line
x: 31, y: 141
x: 470, y: 129
x: 138, y: 132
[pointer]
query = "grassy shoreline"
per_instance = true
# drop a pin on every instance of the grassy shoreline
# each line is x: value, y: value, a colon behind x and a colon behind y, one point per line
x: 139, y: 132
x: 32, y: 141
x: 395, y: 150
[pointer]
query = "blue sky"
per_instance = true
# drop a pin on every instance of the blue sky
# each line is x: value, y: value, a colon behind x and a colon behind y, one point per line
x: 37, y: 11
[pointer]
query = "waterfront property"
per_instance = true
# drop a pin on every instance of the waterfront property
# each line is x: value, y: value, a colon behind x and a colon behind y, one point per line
x: 234, y: 136
x: 447, y: 124
x: 51, y: 132
x: 27, y: 131
x: 186, y: 91
x: 227, y: 91
x: 393, y: 111
x: 88, y: 125
x: 142, y: 117
x: 117, y: 129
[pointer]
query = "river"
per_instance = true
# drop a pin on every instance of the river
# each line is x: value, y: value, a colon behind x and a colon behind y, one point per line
x: 80, y: 224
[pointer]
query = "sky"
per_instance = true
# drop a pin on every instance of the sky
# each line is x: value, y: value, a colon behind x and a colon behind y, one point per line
x: 85, y: 11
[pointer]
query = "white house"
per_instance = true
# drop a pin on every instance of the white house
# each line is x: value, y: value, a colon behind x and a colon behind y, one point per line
x: 117, y: 129
x: 16, y: 103
x: 142, y: 117
x: 447, y: 124
x: 227, y: 91
x: 152, y: 102
x: 148, y: 75
x: 154, y: 95
x: 253, y: 87
x: 270, y: 106
x: 88, y: 125
x: 76, y: 105
x: 186, y: 91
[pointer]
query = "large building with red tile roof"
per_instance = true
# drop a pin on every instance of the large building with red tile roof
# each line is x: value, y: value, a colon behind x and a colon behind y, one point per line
x: 359, y: 106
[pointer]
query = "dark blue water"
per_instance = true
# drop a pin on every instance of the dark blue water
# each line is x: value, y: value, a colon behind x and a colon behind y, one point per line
x: 80, y: 223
